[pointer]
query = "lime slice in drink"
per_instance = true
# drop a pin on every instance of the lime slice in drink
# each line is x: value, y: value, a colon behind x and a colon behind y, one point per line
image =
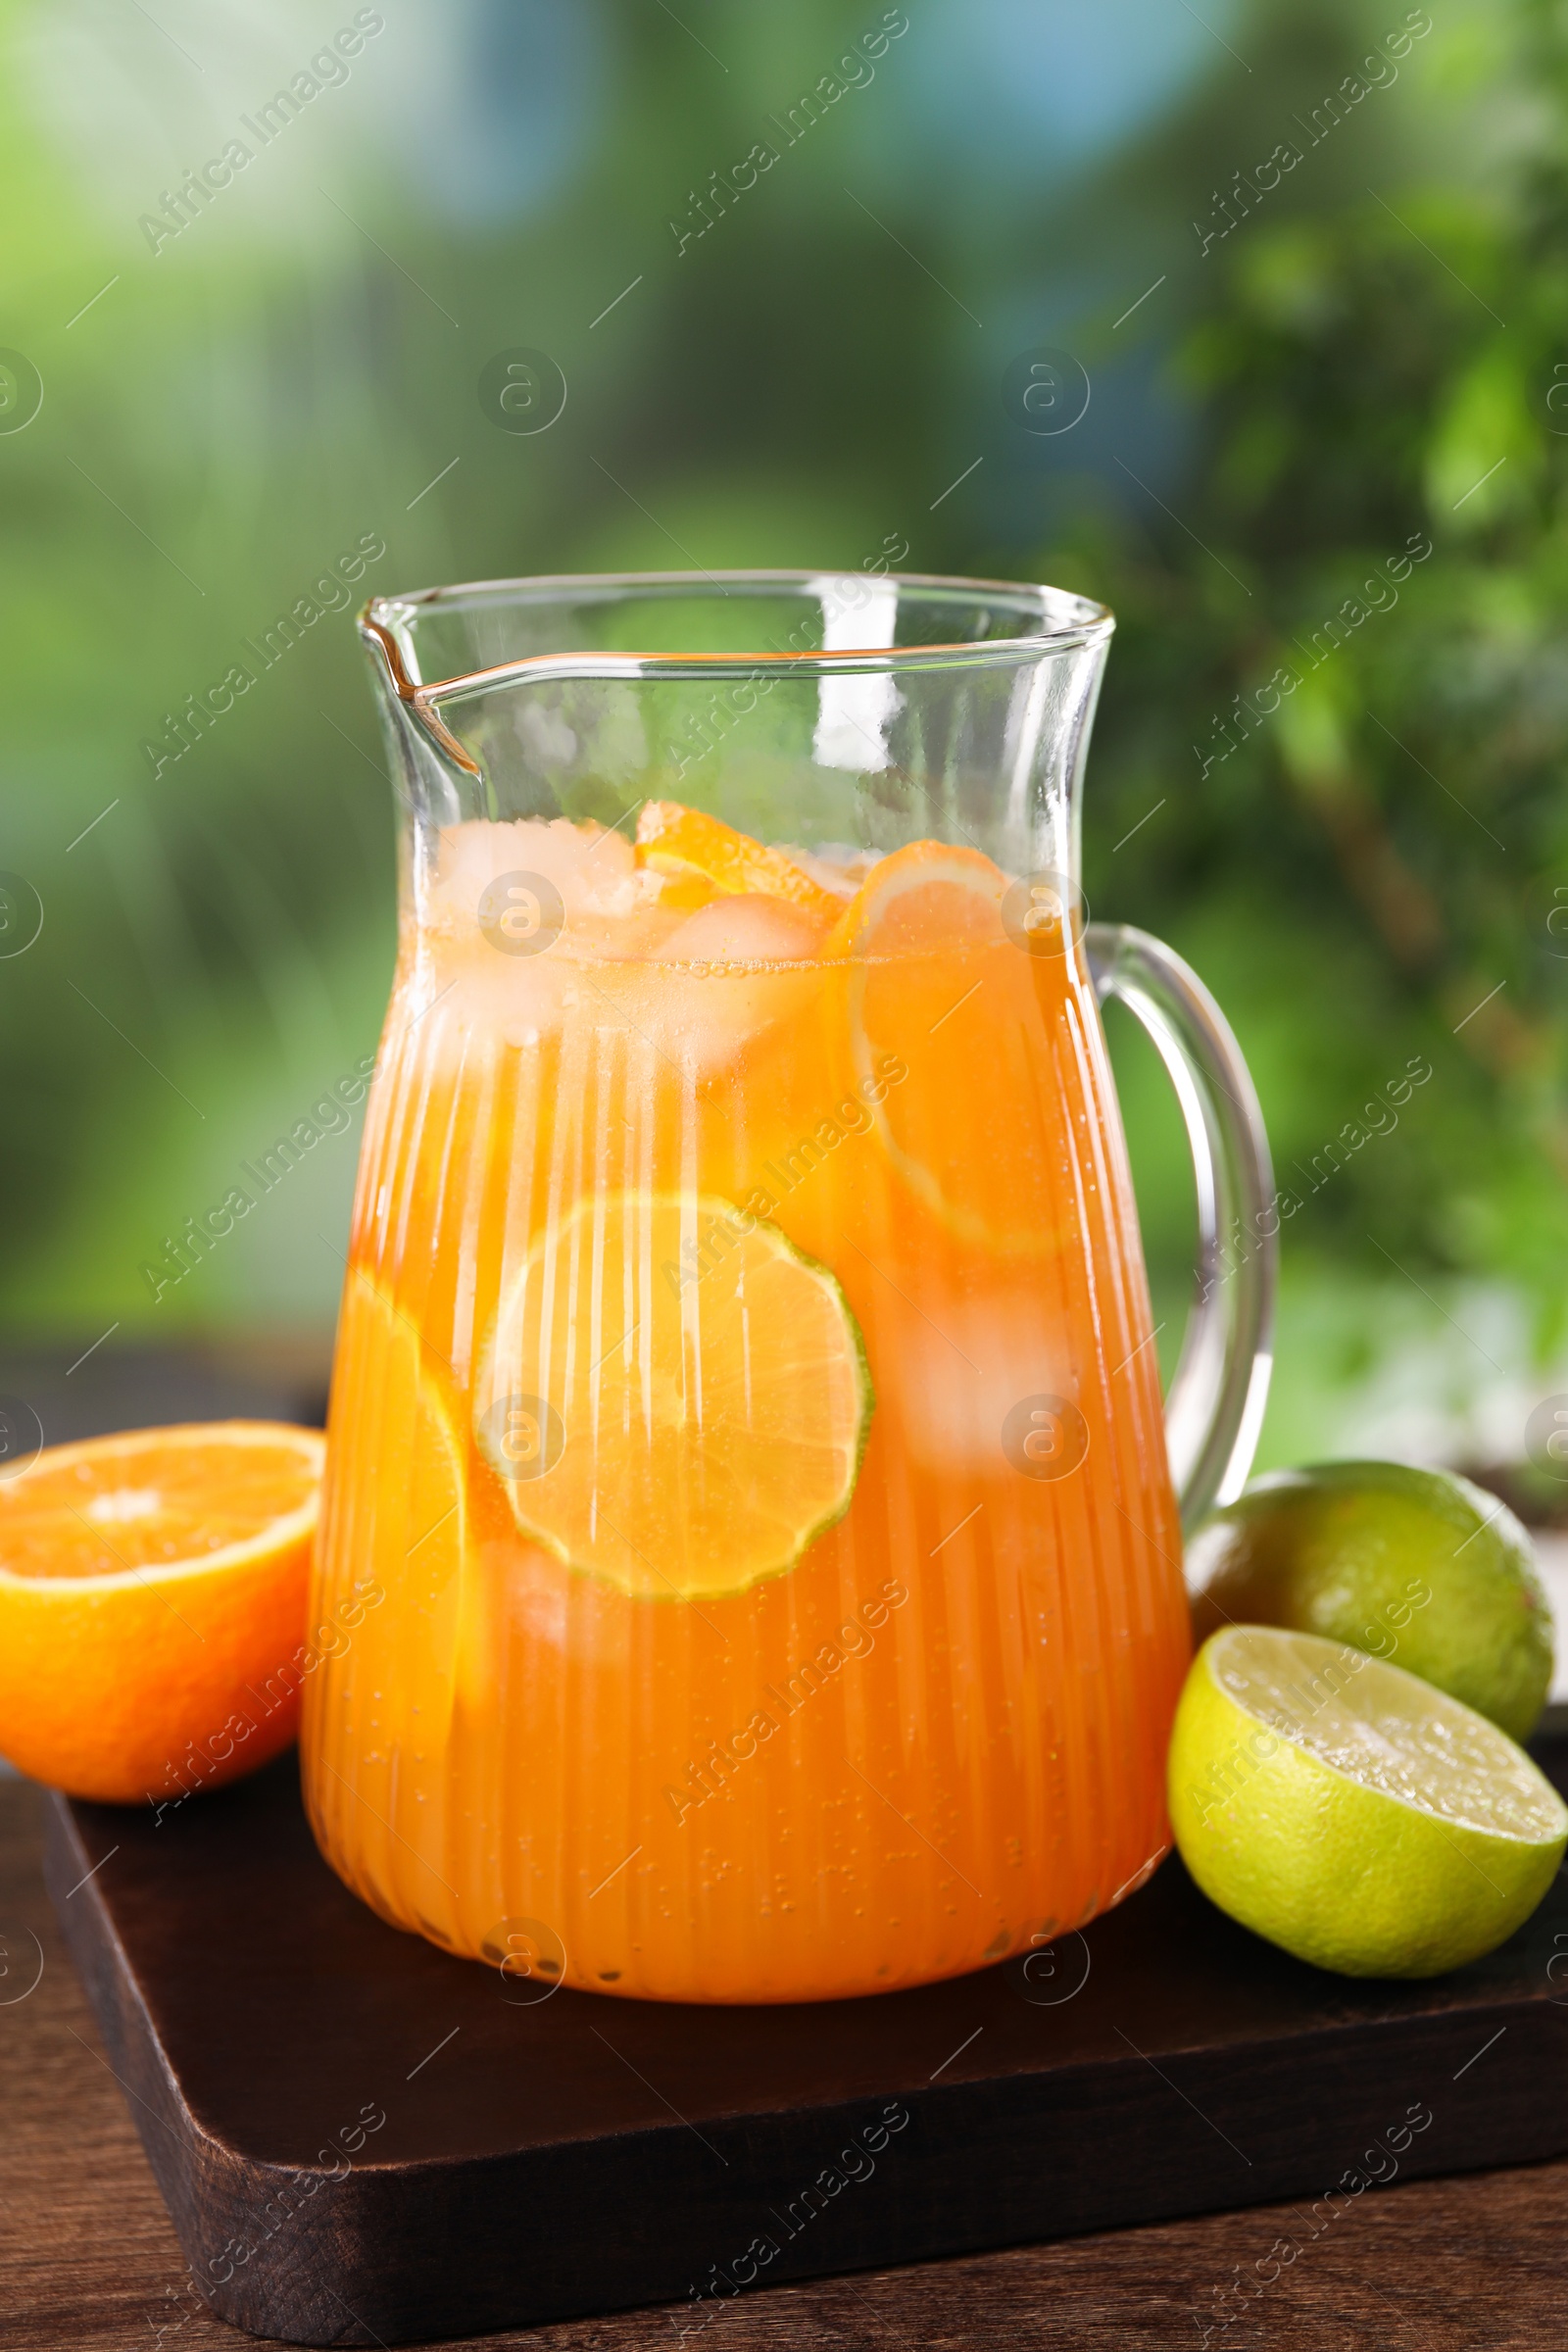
x: 1350, y: 1812
x: 674, y: 1397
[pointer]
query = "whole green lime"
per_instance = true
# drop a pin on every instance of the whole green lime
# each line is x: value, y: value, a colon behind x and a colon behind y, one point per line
x: 1415, y: 1566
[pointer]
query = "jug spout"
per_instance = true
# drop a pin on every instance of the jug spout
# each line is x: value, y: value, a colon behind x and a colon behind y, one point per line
x: 864, y: 705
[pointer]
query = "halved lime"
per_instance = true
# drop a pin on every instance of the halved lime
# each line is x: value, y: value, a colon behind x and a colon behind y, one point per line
x: 1352, y: 1813
x: 675, y: 1396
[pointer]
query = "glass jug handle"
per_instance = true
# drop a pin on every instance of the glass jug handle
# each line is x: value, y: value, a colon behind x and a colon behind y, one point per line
x: 1215, y: 1408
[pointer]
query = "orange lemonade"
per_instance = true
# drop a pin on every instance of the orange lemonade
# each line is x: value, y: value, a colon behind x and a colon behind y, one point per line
x: 745, y: 1429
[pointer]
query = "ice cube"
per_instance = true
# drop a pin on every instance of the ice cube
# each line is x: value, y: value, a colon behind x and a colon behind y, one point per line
x: 952, y: 1381
x: 593, y: 869
x: 744, y: 928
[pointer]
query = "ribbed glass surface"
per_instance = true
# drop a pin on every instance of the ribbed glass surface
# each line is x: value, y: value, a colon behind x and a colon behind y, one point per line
x: 737, y: 1772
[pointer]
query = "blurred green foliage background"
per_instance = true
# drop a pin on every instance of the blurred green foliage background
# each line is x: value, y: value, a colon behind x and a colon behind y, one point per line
x: 1300, y: 369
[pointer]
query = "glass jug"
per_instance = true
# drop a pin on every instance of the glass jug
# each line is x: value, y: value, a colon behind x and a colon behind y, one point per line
x: 751, y: 1521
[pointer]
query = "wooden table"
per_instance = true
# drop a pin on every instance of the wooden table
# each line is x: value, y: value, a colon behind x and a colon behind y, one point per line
x: 88, y: 2257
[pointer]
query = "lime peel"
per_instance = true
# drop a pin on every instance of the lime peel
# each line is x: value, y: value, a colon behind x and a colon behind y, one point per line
x: 1415, y: 1565
x: 1350, y: 1812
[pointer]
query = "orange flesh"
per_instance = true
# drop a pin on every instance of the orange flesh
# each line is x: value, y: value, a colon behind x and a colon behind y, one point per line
x: 943, y: 1730
x: 132, y: 1504
x: 691, y: 848
x: 153, y: 1590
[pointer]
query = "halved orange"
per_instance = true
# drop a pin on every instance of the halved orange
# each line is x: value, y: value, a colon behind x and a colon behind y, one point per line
x: 689, y: 847
x: 153, y: 1606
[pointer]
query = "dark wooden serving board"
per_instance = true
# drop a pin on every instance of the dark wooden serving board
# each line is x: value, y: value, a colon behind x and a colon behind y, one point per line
x: 584, y: 2154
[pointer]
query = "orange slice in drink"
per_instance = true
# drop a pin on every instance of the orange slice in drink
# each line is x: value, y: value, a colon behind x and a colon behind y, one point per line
x: 938, y: 985
x: 409, y: 1534
x: 153, y: 1606
x: 692, y: 849
x: 675, y: 1396
x: 925, y: 898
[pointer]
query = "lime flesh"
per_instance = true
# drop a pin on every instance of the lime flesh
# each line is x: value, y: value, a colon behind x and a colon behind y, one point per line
x: 675, y: 1396
x: 1350, y: 1813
